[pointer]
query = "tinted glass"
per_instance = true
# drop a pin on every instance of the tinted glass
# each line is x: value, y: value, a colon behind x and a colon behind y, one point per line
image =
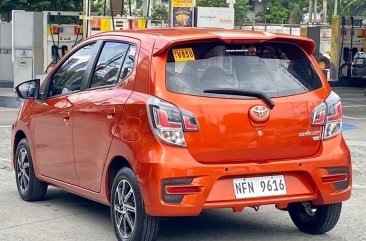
x: 278, y: 69
x: 107, y: 70
x: 129, y: 62
x: 68, y: 78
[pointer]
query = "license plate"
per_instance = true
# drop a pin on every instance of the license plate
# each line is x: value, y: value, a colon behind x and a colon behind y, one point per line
x: 359, y: 61
x: 259, y: 186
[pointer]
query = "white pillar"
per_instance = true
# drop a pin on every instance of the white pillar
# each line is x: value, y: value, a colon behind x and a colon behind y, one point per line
x: 325, y: 11
x: 335, y: 8
x: 310, y: 11
x: 315, y: 10
x: 86, y: 21
x: 231, y: 3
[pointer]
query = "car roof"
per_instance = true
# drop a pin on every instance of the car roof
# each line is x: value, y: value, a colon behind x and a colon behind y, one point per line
x: 166, y: 37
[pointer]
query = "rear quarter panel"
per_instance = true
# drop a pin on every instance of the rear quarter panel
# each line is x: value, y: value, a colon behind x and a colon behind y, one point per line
x: 133, y: 130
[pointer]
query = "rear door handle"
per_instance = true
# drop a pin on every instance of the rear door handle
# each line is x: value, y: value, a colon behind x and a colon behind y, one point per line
x: 111, y: 114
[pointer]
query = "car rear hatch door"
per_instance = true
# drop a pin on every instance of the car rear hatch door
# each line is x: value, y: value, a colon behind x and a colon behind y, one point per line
x: 227, y: 132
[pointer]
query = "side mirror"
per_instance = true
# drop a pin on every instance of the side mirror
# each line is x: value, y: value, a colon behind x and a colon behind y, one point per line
x: 28, y: 89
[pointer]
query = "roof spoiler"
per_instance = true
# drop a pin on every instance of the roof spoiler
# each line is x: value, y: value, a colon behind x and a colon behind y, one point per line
x: 163, y: 44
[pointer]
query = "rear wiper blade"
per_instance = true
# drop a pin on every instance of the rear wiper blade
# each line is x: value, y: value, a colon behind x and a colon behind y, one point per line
x: 239, y: 92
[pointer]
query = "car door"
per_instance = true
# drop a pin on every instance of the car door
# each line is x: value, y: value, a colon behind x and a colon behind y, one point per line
x: 99, y: 108
x: 53, y: 118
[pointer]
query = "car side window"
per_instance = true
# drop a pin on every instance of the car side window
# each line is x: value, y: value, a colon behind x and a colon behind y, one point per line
x: 129, y: 62
x: 108, y: 69
x: 68, y: 78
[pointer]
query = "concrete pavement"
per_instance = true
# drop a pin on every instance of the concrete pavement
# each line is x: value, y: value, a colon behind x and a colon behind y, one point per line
x: 7, y: 116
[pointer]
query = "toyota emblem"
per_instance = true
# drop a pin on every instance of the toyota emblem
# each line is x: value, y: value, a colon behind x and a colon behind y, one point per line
x: 259, y: 113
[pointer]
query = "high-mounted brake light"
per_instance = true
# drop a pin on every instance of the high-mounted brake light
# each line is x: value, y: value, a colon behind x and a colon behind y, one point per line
x: 329, y: 115
x: 168, y: 122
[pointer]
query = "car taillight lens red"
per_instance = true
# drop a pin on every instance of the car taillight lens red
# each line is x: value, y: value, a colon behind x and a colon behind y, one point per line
x: 162, y: 120
x: 319, y: 115
x: 329, y: 115
x: 189, y: 121
x: 183, y: 189
x: 335, y: 178
x: 168, y: 122
x: 335, y: 113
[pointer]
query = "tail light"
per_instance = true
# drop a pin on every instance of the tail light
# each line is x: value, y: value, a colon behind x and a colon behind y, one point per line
x: 168, y: 122
x: 329, y: 115
x: 189, y: 121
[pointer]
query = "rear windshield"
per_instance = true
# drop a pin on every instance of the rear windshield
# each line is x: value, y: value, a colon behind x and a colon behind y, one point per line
x: 278, y: 69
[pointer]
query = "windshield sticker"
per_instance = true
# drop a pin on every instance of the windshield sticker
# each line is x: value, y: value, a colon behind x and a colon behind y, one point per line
x: 251, y: 51
x: 185, y: 54
x: 235, y: 50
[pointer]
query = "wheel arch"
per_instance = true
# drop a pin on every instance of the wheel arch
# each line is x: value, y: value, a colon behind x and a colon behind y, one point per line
x: 116, y: 164
x: 19, y: 135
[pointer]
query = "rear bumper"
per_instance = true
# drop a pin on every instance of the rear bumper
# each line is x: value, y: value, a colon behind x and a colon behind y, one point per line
x: 303, y: 179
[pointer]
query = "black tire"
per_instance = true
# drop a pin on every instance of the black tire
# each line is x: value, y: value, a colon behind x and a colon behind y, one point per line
x: 322, y: 219
x: 29, y: 187
x: 145, y: 227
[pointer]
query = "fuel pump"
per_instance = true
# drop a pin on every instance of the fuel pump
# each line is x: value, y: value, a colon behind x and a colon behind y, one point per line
x: 344, y: 51
x: 59, y: 37
x: 347, y: 52
x: 348, y: 38
x: 314, y: 32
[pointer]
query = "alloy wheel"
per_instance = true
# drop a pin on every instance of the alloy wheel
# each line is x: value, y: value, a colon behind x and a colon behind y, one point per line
x: 23, y: 169
x: 125, y: 209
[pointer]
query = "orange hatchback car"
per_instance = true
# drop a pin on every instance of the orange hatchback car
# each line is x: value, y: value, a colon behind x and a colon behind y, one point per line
x: 169, y: 122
